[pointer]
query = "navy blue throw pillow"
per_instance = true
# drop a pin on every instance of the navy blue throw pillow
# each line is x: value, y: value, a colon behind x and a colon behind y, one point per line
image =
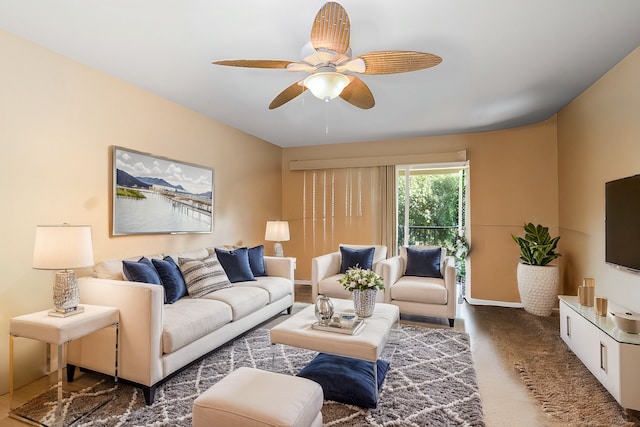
x: 256, y: 261
x: 345, y: 379
x: 141, y: 271
x: 424, y: 262
x: 352, y: 256
x: 236, y: 264
x: 171, y: 278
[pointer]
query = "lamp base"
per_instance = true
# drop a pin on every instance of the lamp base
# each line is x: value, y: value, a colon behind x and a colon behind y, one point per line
x: 277, y: 249
x: 54, y: 312
x: 66, y: 294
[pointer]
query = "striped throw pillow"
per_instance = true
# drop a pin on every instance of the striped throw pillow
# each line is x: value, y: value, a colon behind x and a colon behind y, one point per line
x: 203, y: 276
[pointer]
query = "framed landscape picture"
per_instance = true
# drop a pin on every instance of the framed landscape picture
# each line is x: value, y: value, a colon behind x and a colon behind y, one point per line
x: 156, y: 195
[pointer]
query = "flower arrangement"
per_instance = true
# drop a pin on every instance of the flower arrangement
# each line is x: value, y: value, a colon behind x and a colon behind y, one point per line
x: 361, y: 279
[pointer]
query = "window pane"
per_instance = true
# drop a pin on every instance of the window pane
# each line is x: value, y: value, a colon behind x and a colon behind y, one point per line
x: 433, y: 199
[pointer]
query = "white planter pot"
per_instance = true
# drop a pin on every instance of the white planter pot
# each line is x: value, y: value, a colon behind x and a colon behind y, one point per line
x: 538, y: 287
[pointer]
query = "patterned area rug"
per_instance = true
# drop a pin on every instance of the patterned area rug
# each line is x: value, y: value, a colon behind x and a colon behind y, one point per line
x: 431, y: 382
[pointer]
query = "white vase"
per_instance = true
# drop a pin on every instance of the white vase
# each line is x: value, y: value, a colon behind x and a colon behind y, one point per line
x: 364, y: 301
x: 538, y: 288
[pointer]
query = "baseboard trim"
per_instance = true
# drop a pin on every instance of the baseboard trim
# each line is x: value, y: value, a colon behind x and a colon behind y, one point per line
x: 475, y: 301
x: 302, y: 282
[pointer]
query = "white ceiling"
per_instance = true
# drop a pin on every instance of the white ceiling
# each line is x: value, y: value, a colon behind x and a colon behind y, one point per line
x: 505, y: 62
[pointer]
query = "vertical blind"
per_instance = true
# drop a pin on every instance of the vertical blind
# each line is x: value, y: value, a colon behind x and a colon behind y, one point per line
x: 341, y: 206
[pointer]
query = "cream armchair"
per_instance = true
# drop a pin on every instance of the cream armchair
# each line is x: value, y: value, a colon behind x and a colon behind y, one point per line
x: 415, y: 293
x: 325, y: 271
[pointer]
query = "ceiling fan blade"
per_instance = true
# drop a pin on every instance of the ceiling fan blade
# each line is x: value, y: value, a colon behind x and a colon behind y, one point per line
x: 301, y: 66
x: 357, y: 93
x: 397, y: 61
x: 254, y: 63
x: 287, y: 95
x: 331, y: 28
x: 356, y: 65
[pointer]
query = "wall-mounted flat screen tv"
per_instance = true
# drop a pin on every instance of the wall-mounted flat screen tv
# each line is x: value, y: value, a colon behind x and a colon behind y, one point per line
x: 622, y: 230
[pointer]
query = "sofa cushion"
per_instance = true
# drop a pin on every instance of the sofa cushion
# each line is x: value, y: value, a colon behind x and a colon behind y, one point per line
x: 256, y: 261
x: 350, y: 257
x: 427, y: 290
x: 189, y: 319
x: 112, y: 268
x: 141, y: 271
x: 243, y: 300
x: 203, y: 276
x: 109, y: 269
x: 277, y: 287
x: 194, y: 254
x: 236, y: 264
x: 171, y: 278
x: 424, y: 262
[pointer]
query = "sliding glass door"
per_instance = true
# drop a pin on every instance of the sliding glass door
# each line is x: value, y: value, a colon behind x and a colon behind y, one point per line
x: 432, y: 208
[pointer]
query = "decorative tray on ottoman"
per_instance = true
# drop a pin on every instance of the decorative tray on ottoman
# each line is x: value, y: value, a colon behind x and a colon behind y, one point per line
x: 342, y: 323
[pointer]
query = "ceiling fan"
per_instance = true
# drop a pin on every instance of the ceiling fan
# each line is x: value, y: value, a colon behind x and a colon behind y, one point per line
x: 328, y: 56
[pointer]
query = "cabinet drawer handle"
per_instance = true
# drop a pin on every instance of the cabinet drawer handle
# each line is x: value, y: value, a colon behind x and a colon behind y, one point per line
x: 603, y: 357
x: 568, y: 326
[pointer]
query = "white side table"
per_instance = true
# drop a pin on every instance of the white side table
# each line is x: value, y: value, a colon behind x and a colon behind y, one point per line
x: 59, y: 331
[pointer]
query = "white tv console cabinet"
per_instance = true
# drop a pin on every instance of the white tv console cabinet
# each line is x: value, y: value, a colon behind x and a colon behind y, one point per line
x: 612, y: 356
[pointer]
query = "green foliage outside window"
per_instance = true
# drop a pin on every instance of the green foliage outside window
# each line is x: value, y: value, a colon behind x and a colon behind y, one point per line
x: 433, y: 213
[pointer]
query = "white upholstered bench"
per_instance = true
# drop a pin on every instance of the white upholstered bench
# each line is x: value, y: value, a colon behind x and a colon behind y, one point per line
x: 257, y: 398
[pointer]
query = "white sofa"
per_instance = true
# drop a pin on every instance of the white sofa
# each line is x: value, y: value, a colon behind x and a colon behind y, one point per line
x: 423, y: 296
x: 325, y: 272
x: 158, y: 339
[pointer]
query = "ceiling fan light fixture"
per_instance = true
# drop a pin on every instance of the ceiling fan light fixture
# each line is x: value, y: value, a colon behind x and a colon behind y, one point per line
x: 327, y: 85
x: 328, y: 54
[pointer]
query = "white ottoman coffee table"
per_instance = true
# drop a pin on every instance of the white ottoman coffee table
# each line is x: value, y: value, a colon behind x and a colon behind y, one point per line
x: 367, y: 344
x: 257, y: 398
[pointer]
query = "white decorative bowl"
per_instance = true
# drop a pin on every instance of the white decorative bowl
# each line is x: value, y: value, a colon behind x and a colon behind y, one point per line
x: 627, y: 321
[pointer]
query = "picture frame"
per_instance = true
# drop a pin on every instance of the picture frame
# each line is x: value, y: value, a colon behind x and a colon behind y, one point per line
x: 157, y: 195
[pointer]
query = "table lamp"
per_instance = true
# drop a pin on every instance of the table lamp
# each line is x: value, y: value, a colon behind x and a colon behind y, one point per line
x: 63, y: 247
x: 277, y: 231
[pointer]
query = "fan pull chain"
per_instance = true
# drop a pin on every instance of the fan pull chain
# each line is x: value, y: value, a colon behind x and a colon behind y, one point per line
x: 326, y: 118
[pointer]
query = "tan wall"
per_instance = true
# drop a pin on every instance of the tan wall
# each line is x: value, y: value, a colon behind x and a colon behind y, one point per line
x: 598, y: 141
x: 513, y: 179
x: 58, y: 120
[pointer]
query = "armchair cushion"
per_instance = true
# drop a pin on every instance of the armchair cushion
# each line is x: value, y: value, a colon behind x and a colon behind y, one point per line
x: 424, y: 262
x: 236, y: 264
x: 403, y: 254
x: 424, y: 290
x: 363, y: 257
x: 330, y: 287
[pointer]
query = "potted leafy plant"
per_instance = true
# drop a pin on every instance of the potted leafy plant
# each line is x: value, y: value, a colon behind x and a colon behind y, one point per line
x: 537, y: 280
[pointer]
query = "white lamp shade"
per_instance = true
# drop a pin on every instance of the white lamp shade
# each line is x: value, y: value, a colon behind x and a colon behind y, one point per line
x: 326, y: 86
x: 277, y: 231
x: 60, y: 247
